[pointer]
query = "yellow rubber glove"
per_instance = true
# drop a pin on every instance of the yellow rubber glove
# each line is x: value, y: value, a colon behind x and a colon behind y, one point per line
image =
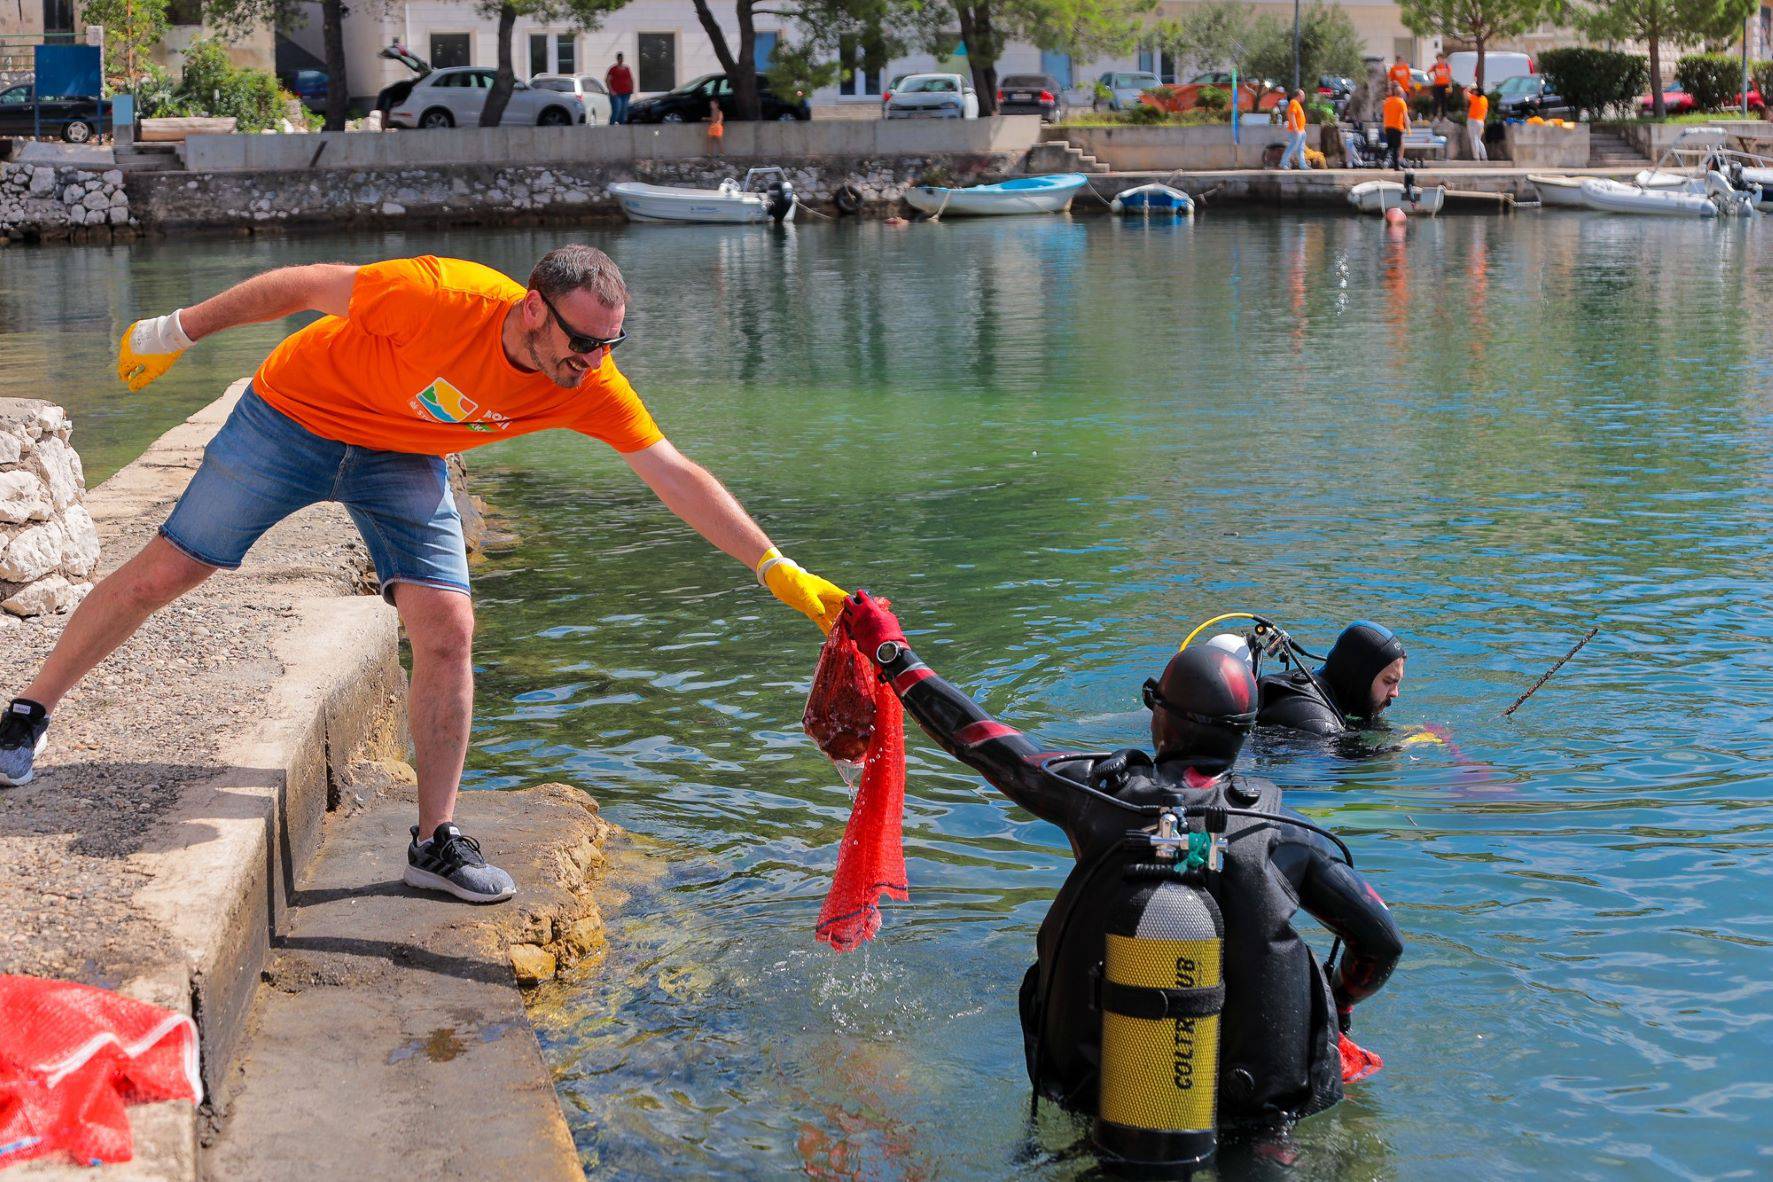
x: 148, y: 349
x: 815, y: 598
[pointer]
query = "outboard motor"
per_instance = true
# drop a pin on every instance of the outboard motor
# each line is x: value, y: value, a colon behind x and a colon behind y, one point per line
x: 1162, y: 992
x: 781, y: 199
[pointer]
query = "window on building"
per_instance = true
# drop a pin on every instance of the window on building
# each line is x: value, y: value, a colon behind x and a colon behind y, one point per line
x: 538, y: 54
x: 1163, y: 64
x: 855, y: 79
x: 1056, y: 66
x: 58, y: 22
x: 763, y: 50
x: 656, y: 55
x: 448, y: 49
x: 566, y: 53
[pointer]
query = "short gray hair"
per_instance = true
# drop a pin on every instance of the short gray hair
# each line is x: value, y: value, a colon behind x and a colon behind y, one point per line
x: 580, y: 268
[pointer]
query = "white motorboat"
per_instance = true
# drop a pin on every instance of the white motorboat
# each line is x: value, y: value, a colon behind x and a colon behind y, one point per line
x: 766, y: 195
x: 1379, y: 196
x: 1153, y: 200
x: 1619, y: 197
x: 1028, y: 194
x: 1565, y: 191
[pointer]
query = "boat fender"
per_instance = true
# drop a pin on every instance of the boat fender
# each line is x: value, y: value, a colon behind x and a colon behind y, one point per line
x: 847, y: 199
x: 781, y: 199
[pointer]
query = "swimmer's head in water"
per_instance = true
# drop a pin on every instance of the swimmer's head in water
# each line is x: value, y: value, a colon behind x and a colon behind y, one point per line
x: 1201, y: 708
x: 1365, y: 669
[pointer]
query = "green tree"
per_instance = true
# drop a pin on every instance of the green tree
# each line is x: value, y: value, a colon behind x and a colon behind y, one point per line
x: 877, y: 29
x: 234, y: 18
x: 1481, y: 22
x: 1595, y: 80
x: 1328, y: 44
x: 132, y: 27
x: 1084, y: 28
x: 582, y: 14
x: 1663, y: 22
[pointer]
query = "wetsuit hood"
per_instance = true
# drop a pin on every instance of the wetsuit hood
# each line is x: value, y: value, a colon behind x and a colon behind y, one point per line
x: 1201, y: 709
x: 1363, y: 649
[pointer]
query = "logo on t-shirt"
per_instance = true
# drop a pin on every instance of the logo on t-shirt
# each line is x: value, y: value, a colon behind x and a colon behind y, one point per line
x: 443, y: 402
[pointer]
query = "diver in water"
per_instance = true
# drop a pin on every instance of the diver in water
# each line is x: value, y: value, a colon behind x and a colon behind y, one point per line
x: 1282, y: 1012
x: 1361, y: 677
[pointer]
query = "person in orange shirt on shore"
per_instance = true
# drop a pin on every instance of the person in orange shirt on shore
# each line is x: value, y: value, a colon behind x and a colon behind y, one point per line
x: 1399, y: 75
x: 1397, y: 121
x: 716, y: 127
x: 1295, y: 131
x: 412, y: 360
x: 1440, y: 76
x: 1477, y: 109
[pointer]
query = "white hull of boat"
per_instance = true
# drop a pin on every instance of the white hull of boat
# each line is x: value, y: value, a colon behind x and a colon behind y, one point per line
x: 668, y: 203
x: 1618, y: 197
x: 1153, y: 201
x: 1379, y: 196
x: 991, y: 201
x: 1565, y: 191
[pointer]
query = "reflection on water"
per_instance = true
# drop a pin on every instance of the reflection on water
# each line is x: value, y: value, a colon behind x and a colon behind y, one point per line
x: 1057, y: 444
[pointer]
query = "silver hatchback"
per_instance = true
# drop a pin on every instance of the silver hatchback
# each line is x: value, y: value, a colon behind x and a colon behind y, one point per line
x: 454, y: 98
x: 932, y: 96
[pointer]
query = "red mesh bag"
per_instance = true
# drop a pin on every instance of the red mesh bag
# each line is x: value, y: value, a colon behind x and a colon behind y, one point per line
x: 1358, y: 1063
x: 853, y: 715
x: 73, y: 1056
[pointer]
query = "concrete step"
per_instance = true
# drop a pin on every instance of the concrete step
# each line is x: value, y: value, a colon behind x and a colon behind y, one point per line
x: 1057, y: 155
x: 390, y: 1039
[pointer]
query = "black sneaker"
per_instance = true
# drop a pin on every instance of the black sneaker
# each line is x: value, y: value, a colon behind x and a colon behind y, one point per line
x: 448, y: 861
x: 24, y: 728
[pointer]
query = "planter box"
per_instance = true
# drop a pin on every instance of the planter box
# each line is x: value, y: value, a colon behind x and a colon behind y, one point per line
x: 166, y: 131
x: 1540, y: 145
x: 1160, y: 149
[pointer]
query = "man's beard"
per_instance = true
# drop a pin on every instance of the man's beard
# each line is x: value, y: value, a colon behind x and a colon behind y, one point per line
x: 562, y: 373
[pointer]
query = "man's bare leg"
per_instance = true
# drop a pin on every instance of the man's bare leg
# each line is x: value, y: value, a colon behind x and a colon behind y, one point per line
x: 440, y: 706
x: 111, y: 613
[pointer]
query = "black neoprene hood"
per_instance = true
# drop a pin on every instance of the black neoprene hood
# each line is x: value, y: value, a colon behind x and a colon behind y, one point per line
x: 1358, y: 655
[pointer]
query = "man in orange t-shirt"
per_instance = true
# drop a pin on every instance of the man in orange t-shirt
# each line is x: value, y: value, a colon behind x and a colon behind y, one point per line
x: 1399, y: 75
x: 1397, y: 121
x: 1477, y: 109
x: 1440, y: 76
x: 1295, y: 132
x: 414, y: 359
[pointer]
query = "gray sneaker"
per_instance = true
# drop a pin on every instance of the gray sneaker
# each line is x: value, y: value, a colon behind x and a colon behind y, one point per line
x: 24, y: 729
x: 448, y: 861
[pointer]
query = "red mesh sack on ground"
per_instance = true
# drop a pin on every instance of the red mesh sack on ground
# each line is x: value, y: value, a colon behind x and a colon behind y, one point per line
x: 1358, y: 1063
x: 72, y: 1057
x: 852, y: 714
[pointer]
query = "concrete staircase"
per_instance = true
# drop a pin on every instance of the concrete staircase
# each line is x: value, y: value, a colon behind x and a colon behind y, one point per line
x: 1059, y: 156
x: 1608, y: 148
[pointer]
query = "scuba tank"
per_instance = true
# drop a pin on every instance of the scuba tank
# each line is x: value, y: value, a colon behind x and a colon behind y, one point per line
x: 1162, y: 991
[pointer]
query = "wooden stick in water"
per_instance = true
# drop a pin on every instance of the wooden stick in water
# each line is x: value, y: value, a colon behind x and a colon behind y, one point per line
x: 1547, y: 675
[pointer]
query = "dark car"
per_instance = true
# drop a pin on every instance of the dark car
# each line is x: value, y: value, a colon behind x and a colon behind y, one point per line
x: 75, y: 119
x: 1031, y: 94
x: 309, y: 86
x: 1526, y: 95
x: 692, y: 102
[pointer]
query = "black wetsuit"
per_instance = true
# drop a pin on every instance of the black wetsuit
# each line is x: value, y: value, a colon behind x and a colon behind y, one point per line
x: 1293, y: 700
x: 1278, y: 1056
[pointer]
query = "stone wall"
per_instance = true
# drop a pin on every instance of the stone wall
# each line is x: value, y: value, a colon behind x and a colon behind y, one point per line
x: 1541, y: 145
x: 50, y: 202
x: 170, y: 201
x: 48, y: 543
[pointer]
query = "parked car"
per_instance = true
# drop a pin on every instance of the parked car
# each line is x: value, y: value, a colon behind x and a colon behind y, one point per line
x: 694, y: 100
x: 1222, y: 79
x: 887, y: 95
x: 1498, y: 65
x: 1526, y: 95
x: 589, y: 89
x: 1125, y: 87
x: 1676, y: 101
x: 933, y: 96
x: 1335, y: 88
x: 1031, y: 94
x: 454, y: 98
x: 395, y: 93
x: 309, y: 86
x: 73, y: 118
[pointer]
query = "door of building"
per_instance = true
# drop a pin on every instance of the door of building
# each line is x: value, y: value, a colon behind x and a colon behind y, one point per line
x: 656, y: 55
x: 1056, y: 66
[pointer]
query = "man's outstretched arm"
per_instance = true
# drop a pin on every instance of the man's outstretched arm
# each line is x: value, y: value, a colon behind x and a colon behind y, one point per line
x: 149, y: 347
x: 692, y: 492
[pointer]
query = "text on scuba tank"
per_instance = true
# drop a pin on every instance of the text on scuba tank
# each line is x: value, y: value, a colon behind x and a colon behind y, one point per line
x: 1182, y: 1052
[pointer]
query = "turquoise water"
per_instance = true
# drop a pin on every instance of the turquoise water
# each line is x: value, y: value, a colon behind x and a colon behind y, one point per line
x: 1058, y: 444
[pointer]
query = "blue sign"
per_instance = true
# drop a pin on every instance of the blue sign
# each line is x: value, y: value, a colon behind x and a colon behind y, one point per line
x: 69, y: 71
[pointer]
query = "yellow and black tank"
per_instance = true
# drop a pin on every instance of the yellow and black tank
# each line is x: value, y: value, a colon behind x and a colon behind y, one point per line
x: 1162, y: 992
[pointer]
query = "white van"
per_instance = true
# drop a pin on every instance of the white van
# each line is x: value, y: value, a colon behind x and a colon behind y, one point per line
x: 1498, y: 65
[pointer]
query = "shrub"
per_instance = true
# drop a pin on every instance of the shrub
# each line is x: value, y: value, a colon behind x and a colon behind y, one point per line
x: 213, y: 85
x: 1595, y: 80
x: 157, y: 95
x: 1145, y: 114
x: 1213, y: 100
x: 1713, y: 79
x: 1317, y: 111
x: 1762, y: 73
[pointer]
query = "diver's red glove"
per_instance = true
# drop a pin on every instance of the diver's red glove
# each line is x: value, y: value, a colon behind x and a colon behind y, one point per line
x: 871, y: 622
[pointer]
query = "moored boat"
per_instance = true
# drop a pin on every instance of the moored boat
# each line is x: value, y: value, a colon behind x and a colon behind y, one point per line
x: 1029, y: 194
x: 1619, y: 197
x: 1565, y: 191
x: 1148, y: 200
x: 1379, y: 196
x: 765, y: 195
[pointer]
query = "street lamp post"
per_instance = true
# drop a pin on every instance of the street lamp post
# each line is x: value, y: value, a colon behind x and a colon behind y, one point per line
x: 1296, y: 44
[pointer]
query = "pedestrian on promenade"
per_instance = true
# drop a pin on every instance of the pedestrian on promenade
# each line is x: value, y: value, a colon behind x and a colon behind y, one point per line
x: 1440, y: 76
x: 1397, y: 121
x: 1477, y: 109
x: 414, y: 359
x: 716, y: 128
x: 620, y: 84
x: 1399, y: 75
x: 1295, y: 131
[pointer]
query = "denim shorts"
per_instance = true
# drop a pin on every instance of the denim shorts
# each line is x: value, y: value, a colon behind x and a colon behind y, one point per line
x: 262, y: 466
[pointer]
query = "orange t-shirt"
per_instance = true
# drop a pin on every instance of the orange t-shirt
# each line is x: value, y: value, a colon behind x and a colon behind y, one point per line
x: 1400, y: 74
x: 1397, y: 114
x: 1441, y: 74
x: 418, y: 365
x: 1477, y: 106
x: 1295, y: 115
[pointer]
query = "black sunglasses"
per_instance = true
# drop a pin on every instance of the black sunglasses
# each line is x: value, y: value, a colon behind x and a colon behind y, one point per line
x: 577, y: 342
x: 1153, y: 698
